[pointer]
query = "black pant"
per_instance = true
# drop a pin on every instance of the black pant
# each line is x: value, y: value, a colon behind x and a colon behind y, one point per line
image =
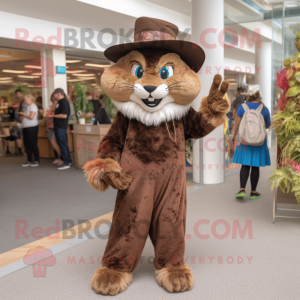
x: 30, y: 136
x: 61, y: 138
x: 244, y: 175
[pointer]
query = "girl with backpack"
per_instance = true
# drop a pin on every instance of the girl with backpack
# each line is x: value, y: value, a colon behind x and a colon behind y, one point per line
x: 252, y: 119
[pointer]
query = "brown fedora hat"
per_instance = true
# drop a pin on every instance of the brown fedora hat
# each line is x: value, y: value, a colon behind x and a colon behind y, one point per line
x: 159, y: 34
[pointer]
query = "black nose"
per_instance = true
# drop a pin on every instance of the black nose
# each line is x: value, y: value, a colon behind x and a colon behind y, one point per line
x: 150, y: 88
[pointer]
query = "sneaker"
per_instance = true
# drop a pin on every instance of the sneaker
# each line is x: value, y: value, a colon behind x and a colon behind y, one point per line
x: 255, y: 195
x: 70, y: 164
x: 241, y: 194
x: 35, y: 164
x: 27, y: 164
x: 63, y: 167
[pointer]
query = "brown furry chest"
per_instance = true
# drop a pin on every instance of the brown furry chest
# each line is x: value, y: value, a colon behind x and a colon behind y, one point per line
x: 153, y: 144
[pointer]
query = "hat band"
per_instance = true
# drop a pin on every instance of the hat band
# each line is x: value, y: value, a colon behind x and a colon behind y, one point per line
x: 146, y: 36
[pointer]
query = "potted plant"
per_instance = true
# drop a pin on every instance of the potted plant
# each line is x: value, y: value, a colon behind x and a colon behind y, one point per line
x: 287, y: 125
x: 81, y: 104
x: 88, y: 117
x: 81, y: 117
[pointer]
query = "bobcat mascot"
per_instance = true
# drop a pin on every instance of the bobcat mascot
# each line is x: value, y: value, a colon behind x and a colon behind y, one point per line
x: 153, y: 85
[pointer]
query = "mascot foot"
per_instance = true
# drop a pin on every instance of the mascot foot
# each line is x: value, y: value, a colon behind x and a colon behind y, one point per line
x: 175, y: 279
x: 110, y: 282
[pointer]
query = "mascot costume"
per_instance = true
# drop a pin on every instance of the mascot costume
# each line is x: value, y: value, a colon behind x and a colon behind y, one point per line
x: 152, y: 84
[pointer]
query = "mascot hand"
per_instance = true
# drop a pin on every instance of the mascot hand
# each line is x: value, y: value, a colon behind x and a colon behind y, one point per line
x: 102, y: 173
x: 117, y: 180
x: 215, y: 100
x: 214, y: 107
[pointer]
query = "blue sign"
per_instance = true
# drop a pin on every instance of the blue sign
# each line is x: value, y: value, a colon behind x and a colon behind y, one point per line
x: 60, y: 70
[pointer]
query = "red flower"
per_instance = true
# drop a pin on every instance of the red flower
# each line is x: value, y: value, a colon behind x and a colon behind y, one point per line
x: 282, y: 102
x: 281, y: 80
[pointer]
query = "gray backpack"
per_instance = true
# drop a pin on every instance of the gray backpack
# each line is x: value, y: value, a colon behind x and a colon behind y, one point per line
x: 252, y: 129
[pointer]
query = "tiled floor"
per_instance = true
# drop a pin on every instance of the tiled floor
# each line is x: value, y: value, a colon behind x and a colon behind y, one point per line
x: 38, y: 196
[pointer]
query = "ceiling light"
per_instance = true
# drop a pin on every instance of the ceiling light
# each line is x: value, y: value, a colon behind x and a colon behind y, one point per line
x: 97, y: 66
x: 34, y: 86
x: 72, y: 61
x: 72, y: 80
x: 13, y: 71
x: 33, y: 67
x: 5, y: 55
x: 5, y: 82
x: 84, y: 75
x: 27, y: 76
x: 5, y: 78
x: 76, y: 71
x: 90, y: 78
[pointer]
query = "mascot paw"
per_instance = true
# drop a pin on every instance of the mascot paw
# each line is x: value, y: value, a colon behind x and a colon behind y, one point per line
x: 214, y: 107
x: 175, y: 279
x: 101, y: 173
x: 117, y: 180
x: 110, y: 282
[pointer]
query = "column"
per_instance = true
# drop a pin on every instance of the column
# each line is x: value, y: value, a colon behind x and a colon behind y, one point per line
x: 50, y: 59
x: 207, y: 25
x: 263, y: 74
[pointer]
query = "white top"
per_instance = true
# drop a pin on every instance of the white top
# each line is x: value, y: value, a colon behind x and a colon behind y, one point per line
x: 27, y: 122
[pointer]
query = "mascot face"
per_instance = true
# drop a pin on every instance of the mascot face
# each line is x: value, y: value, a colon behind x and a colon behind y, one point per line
x: 151, y: 83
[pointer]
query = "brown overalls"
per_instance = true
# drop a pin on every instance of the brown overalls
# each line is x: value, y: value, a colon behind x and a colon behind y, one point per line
x: 155, y: 202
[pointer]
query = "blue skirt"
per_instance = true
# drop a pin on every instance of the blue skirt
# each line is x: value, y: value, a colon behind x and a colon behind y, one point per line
x: 256, y: 156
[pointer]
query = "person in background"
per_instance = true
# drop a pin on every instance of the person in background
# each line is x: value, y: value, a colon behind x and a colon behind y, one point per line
x: 21, y: 104
x: 61, y: 116
x: 30, y: 131
x: 251, y: 156
x: 39, y: 102
x: 239, y: 100
x: 96, y: 103
x: 15, y: 136
x: 51, y: 134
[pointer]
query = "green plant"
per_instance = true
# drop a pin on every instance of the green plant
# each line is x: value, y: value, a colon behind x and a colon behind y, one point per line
x: 287, y: 125
x: 81, y: 102
x: 287, y: 178
x: 109, y: 106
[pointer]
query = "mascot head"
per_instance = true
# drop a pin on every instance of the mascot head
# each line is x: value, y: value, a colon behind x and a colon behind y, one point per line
x: 154, y: 78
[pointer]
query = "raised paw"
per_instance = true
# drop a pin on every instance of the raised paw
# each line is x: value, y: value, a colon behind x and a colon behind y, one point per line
x: 175, y: 279
x: 106, y: 281
x: 215, y: 99
x: 117, y: 180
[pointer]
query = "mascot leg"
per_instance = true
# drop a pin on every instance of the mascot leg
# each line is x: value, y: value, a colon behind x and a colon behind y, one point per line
x: 168, y: 237
x: 127, y: 238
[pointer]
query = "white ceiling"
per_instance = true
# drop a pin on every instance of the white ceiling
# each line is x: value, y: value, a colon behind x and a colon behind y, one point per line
x: 182, y: 6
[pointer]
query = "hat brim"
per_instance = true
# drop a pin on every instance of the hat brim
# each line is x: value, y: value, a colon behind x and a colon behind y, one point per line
x: 192, y: 54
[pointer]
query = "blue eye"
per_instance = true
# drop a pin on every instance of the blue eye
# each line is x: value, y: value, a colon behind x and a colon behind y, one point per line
x: 166, y: 72
x: 139, y: 72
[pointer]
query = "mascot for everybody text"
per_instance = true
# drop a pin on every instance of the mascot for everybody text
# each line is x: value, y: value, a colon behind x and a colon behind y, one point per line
x: 153, y: 85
